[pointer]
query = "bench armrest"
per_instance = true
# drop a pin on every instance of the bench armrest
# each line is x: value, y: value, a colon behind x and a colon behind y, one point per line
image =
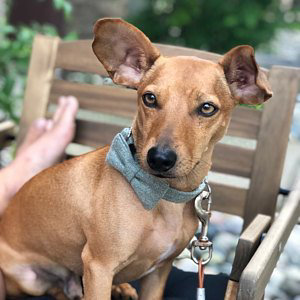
x: 259, y: 270
x: 246, y: 247
x: 248, y: 243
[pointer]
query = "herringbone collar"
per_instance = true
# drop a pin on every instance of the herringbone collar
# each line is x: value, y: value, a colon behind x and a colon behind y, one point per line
x: 147, y: 187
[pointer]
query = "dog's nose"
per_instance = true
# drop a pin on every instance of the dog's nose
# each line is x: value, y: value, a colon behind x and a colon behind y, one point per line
x: 161, y: 159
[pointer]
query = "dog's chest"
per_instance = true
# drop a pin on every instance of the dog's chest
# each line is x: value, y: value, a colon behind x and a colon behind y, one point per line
x: 164, y: 237
x: 170, y: 233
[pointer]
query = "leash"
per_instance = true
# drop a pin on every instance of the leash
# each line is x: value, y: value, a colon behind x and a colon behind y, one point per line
x: 203, y: 243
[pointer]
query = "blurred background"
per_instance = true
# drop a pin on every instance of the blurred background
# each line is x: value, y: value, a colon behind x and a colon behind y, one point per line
x: 272, y: 27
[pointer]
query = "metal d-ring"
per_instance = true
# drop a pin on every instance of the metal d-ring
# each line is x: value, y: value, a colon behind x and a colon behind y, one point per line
x: 202, y: 246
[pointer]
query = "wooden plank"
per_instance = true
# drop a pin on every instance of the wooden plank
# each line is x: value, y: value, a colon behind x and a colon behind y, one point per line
x: 78, y: 56
x: 86, y: 61
x: 272, y: 143
x: 232, y: 160
x: 170, y: 50
x: 95, y: 134
x: 228, y: 199
x: 122, y: 102
x: 245, y: 122
x: 247, y: 244
x: 259, y: 270
x: 104, y: 99
x: 40, y: 74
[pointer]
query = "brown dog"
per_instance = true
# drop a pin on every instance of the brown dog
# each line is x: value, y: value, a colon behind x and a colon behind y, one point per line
x: 82, y: 217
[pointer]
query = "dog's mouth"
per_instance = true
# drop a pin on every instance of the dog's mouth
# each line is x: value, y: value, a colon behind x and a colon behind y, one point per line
x: 160, y: 174
x: 163, y: 176
x: 172, y: 176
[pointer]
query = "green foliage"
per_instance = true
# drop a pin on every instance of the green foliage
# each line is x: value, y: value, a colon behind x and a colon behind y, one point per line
x: 65, y: 6
x: 15, y: 50
x: 210, y: 24
x: 257, y: 106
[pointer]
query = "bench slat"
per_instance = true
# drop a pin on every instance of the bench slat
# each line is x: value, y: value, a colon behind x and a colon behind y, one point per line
x: 122, y: 102
x: 245, y: 122
x: 68, y: 53
x: 95, y: 134
x: 170, y: 50
x: 228, y: 199
x: 232, y: 160
x: 104, y: 99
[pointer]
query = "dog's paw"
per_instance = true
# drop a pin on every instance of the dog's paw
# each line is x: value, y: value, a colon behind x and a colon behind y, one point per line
x: 123, y: 291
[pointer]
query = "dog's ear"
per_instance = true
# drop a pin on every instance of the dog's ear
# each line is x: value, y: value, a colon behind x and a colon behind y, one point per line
x: 126, y: 53
x: 247, y: 83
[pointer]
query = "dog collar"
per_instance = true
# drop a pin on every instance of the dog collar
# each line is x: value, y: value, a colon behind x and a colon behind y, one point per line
x: 147, y: 187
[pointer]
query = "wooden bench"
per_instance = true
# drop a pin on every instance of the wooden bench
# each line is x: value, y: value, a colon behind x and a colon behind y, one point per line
x: 105, y: 109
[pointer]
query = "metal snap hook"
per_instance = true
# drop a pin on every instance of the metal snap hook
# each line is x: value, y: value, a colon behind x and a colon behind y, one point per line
x: 203, y: 242
x: 203, y: 215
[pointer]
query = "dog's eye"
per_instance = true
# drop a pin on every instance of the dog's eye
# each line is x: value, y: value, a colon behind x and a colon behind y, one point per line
x: 150, y: 100
x: 207, y: 109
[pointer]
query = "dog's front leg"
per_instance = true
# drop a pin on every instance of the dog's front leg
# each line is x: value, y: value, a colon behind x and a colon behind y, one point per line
x: 153, y: 284
x: 97, y: 278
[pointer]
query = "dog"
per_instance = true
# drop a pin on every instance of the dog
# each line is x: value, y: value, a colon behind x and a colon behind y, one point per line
x: 84, y: 217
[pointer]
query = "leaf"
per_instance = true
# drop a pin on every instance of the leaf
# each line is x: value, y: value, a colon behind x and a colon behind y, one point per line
x: 67, y: 9
x: 71, y: 36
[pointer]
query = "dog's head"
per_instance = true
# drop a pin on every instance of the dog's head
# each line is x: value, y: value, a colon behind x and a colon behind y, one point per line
x: 184, y: 103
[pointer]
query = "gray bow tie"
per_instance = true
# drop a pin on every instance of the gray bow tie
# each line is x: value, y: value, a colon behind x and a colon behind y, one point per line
x: 148, y: 188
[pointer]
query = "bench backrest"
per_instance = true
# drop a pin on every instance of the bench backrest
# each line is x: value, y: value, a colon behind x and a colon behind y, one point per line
x: 255, y: 161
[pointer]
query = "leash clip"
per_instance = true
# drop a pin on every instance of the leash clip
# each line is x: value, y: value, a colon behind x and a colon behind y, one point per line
x: 203, y: 243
